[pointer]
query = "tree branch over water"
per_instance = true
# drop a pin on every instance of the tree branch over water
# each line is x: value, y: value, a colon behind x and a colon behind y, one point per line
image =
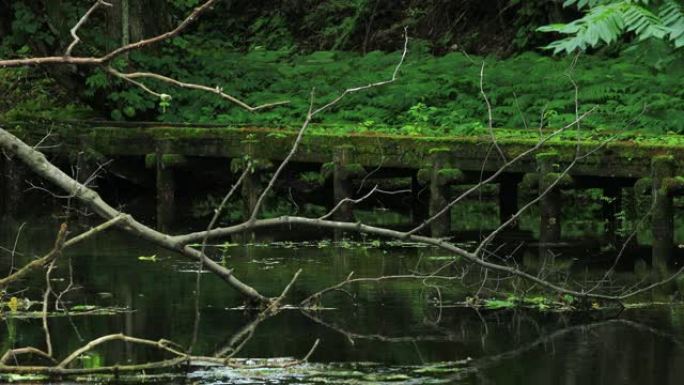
x: 185, y: 244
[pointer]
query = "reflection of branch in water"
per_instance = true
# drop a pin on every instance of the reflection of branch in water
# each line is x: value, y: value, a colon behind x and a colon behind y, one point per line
x: 311, y: 300
x: 239, y: 338
x: 351, y: 336
x: 489, y: 361
x: 242, y: 336
x: 181, y: 358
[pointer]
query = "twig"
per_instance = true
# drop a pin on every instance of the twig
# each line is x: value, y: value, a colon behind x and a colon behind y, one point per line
x: 46, y: 298
x: 38, y: 263
x: 539, y: 197
x: 490, y: 120
x: 95, y: 61
x: 161, y: 344
x: 312, y: 350
x: 313, y: 112
x: 498, y: 172
x: 13, y: 353
x: 130, y: 77
x: 361, y: 199
x: 78, y: 25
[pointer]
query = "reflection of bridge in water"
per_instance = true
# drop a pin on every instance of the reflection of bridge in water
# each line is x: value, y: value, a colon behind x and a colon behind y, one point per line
x: 625, y: 171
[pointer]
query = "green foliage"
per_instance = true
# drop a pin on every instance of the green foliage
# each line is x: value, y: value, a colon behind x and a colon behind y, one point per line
x: 27, y: 95
x: 235, y: 211
x: 606, y: 21
x: 433, y: 96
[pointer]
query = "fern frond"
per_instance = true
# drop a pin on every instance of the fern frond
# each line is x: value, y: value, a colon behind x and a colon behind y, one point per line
x: 672, y: 16
x: 643, y: 22
x: 603, y: 23
x: 608, y: 20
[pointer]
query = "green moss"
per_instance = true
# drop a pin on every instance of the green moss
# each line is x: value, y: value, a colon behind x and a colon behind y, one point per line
x: 564, y: 181
x: 437, y: 150
x: 423, y: 175
x: 354, y: 170
x: 167, y: 160
x: 530, y: 182
x: 449, y: 175
x: 643, y: 186
x: 344, y: 147
x: 673, y: 185
x: 662, y: 159
x: 551, y: 155
x: 625, y: 158
x: 239, y: 164
x: 327, y: 170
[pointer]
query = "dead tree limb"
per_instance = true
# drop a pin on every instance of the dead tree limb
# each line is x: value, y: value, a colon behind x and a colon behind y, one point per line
x: 41, y: 262
x: 39, y: 164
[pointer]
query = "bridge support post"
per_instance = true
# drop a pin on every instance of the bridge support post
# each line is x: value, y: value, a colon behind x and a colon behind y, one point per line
x: 626, y: 225
x: 508, y: 198
x: 419, y: 209
x: 611, y: 207
x: 12, y: 179
x: 166, y: 191
x: 342, y: 186
x: 662, y: 218
x: 3, y: 186
x: 164, y: 163
x: 252, y: 185
x: 441, y: 176
x: 550, y: 203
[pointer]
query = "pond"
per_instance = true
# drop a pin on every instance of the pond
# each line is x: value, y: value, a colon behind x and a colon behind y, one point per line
x: 398, y: 332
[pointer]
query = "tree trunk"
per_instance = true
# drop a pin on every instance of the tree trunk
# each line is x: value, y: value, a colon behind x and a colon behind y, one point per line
x: 114, y: 24
x: 5, y: 18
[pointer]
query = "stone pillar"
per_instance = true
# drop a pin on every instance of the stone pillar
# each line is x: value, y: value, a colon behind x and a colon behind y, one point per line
x: 441, y: 176
x: 342, y: 185
x: 611, y: 207
x: 3, y: 185
x: 163, y: 161
x: 662, y: 218
x: 508, y: 198
x: 419, y: 209
x: 630, y: 206
x: 12, y: 178
x: 550, y: 203
x: 166, y: 190
x: 85, y: 170
x: 252, y: 186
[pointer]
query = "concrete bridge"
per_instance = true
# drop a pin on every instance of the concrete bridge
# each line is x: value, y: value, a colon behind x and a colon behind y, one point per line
x: 620, y: 168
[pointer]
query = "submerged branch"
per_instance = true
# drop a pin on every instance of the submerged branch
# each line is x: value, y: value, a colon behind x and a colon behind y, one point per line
x: 41, y: 262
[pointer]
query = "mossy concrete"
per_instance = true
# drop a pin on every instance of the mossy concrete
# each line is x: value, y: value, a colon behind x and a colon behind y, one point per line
x: 615, y: 159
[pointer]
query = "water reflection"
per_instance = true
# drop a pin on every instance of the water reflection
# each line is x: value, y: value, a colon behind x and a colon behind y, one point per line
x: 394, y: 325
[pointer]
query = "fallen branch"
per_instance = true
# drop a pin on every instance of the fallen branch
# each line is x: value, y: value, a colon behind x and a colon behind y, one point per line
x: 41, y: 262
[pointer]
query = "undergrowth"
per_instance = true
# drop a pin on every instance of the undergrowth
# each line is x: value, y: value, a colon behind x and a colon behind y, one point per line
x: 434, y: 96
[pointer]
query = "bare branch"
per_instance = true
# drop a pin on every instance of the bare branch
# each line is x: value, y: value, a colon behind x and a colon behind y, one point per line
x: 13, y: 353
x: 130, y: 77
x: 41, y: 262
x: 313, y: 112
x: 161, y: 344
x: 498, y: 172
x: 94, y: 61
x: 82, y: 21
x: 361, y: 199
x: 490, y: 124
x: 39, y: 164
x: 539, y: 197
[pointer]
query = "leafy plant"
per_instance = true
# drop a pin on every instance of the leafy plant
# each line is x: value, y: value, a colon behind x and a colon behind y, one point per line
x: 605, y: 21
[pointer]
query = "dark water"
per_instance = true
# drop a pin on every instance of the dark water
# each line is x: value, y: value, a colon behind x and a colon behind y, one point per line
x: 390, y: 333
